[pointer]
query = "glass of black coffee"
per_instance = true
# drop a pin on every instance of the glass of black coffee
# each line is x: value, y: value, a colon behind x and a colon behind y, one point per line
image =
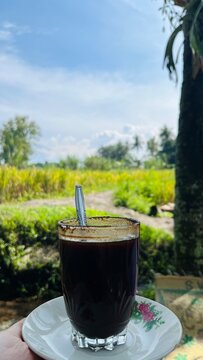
x: 99, y: 276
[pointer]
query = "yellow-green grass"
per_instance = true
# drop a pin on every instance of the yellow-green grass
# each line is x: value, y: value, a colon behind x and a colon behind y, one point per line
x: 142, y: 189
x: 155, y: 185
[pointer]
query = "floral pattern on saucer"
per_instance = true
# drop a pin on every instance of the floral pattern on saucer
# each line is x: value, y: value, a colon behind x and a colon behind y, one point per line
x: 148, y: 314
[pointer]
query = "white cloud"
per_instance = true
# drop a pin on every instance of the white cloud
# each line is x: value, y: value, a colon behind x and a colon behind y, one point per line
x: 9, y: 30
x: 109, y: 137
x: 8, y: 25
x: 58, y: 147
x: 85, y: 110
x: 5, y: 35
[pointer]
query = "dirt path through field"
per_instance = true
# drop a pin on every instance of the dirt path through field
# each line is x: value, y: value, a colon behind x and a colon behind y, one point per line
x: 104, y: 201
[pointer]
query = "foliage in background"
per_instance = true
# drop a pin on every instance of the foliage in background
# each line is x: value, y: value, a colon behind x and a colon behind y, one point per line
x: 96, y: 162
x: 146, y: 189
x: 18, y: 184
x: 29, y: 261
x: 156, y: 153
x: 118, y: 151
x: 70, y: 162
x: 16, y: 139
x: 160, y: 152
x: 17, y: 135
x: 167, y: 146
x: 155, y: 163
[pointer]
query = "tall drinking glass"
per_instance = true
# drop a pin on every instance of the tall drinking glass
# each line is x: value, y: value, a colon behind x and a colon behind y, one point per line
x: 99, y: 277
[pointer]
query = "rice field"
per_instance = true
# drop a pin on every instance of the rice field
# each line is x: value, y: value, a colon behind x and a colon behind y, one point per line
x: 154, y: 186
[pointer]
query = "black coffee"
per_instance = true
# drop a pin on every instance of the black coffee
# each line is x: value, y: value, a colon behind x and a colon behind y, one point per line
x: 99, y: 284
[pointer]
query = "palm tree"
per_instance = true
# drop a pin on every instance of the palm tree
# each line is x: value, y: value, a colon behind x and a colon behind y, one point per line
x: 152, y: 146
x: 189, y: 149
x: 167, y: 146
x: 165, y: 134
x: 137, y: 144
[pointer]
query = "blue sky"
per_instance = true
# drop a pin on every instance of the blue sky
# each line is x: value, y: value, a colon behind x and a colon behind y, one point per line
x: 88, y: 72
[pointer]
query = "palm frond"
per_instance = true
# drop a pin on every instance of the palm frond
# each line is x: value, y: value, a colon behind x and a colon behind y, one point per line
x: 169, y: 61
x: 196, y: 36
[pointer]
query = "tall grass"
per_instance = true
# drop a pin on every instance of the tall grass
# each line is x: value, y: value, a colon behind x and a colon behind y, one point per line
x: 32, y: 182
x: 156, y: 186
x: 142, y: 189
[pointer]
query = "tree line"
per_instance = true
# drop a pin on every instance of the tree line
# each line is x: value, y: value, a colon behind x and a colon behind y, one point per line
x: 18, y: 135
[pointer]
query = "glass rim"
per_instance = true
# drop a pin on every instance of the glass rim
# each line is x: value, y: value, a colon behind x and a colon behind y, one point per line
x: 109, y: 228
x: 65, y: 223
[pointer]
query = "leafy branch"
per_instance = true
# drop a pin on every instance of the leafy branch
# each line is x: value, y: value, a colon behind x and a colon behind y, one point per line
x: 192, y: 9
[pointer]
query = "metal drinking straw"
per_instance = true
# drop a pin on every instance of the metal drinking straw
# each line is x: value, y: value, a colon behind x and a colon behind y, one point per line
x: 80, y: 206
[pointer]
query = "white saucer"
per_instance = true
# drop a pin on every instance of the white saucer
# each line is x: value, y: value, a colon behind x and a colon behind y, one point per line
x: 153, y: 332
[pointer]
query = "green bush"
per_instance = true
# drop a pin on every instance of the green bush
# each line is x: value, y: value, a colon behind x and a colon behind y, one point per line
x: 98, y: 163
x: 23, y: 233
x: 156, y: 254
x: 128, y: 197
x: 29, y: 260
x: 142, y: 192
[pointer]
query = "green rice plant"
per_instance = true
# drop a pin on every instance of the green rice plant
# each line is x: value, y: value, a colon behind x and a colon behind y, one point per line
x: 21, y: 184
x: 142, y: 189
x: 136, y: 189
x: 29, y: 183
x: 139, y: 203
